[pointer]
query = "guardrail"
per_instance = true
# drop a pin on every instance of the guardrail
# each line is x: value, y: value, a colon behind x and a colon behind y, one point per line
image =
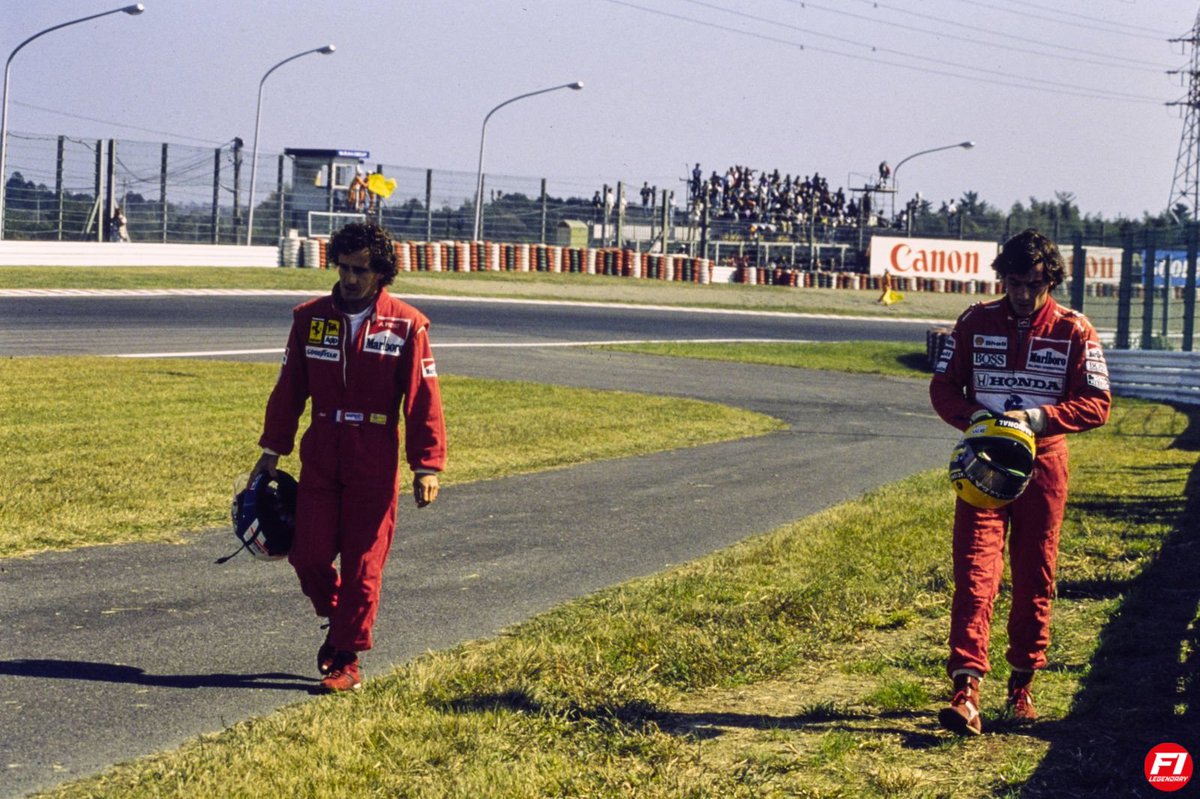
x: 83, y: 253
x: 1155, y: 374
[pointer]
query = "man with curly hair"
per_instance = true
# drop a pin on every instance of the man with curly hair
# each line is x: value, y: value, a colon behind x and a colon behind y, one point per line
x: 1026, y: 358
x: 363, y: 358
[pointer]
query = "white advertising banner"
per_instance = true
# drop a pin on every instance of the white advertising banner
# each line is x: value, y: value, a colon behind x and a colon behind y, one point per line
x: 948, y: 259
x: 1103, y: 264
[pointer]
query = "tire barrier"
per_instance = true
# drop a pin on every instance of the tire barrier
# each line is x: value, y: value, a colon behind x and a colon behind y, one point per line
x: 491, y: 256
x: 935, y: 340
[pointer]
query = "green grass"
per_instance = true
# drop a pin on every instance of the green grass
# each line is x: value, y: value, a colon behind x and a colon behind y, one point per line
x: 806, y: 662
x: 106, y: 450
x: 881, y: 358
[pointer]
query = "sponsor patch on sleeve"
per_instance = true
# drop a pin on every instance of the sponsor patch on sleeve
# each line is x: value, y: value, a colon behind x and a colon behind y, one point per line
x: 1098, y: 381
x: 428, y: 368
x: 943, y: 362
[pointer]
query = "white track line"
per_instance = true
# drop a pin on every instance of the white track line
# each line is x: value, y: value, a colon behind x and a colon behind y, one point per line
x: 470, y: 345
x: 417, y: 298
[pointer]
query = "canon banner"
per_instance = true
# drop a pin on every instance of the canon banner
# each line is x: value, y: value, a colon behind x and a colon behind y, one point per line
x: 949, y: 259
x: 1103, y: 263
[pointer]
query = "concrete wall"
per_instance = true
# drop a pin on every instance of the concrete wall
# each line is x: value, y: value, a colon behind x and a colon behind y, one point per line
x: 87, y: 253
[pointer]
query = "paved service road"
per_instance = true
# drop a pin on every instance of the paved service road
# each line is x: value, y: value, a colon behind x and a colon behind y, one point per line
x: 109, y: 653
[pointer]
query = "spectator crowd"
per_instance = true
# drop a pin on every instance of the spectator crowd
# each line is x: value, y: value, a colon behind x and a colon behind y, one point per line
x: 768, y: 203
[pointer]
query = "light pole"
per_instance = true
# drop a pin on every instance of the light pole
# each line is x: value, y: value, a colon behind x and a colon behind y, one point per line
x: 577, y: 85
x: 326, y: 50
x: 966, y: 145
x: 132, y: 10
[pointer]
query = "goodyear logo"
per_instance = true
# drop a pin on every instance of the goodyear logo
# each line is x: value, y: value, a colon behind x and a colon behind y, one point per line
x: 322, y: 354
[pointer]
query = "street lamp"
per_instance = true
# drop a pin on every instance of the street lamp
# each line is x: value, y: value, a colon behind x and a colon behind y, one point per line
x: 577, y: 85
x: 132, y: 10
x: 966, y: 145
x: 326, y: 50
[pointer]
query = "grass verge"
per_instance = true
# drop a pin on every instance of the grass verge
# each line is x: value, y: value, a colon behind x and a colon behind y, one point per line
x: 105, y: 450
x: 534, y: 285
x: 806, y: 662
x: 880, y: 358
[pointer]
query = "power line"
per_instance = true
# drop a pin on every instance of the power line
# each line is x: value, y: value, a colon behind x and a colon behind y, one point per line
x: 114, y: 124
x: 1009, y: 80
x: 1050, y: 52
x: 1150, y: 32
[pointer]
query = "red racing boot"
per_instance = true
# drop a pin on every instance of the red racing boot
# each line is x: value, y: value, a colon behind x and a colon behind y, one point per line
x: 343, y: 674
x: 962, y: 715
x: 1020, y: 699
x: 325, y: 657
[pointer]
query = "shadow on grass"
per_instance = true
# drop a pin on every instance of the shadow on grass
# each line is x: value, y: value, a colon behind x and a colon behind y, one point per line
x: 112, y: 672
x: 1143, y: 688
x: 916, y: 361
x: 643, y: 717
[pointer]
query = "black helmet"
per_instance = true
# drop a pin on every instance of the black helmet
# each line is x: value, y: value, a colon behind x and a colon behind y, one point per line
x: 264, y: 516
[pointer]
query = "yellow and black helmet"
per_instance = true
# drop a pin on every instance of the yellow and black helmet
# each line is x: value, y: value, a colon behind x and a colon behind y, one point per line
x: 993, y: 462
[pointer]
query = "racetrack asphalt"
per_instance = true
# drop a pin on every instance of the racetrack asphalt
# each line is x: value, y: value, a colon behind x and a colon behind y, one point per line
x: 110, y: 653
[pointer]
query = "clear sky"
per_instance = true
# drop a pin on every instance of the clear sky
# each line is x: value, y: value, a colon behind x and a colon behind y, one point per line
x: 1059, y: 95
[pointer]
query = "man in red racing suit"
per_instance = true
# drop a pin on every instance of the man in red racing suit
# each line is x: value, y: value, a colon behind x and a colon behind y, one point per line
x: 1025, y: 357
x: 363, y: 358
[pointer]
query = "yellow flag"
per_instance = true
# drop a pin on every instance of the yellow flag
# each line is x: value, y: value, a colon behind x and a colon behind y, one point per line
x: 378, y: 184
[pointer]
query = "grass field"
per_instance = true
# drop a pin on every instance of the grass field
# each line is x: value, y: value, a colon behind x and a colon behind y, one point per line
x: 101, y: 450
x: 805, y: 662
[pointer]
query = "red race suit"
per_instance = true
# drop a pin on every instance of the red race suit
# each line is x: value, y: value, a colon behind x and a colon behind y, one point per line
x: 349, y: 480
x: 994, y: 360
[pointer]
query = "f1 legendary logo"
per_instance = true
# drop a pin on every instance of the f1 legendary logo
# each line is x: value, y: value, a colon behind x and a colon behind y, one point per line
x: 1168, y: 767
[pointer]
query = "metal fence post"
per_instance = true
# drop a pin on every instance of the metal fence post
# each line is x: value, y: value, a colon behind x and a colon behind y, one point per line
x: 110, y: 190
x: 428, y: 204
x: 279, y: 217
x: 1189, y: 287
x: 545, y: 212
x: 162, y: 192
x: 1125, y: 293
x: 237, y: 192
x: 619, y: 225
x: 59, y: 197
x: 216, y: 204
x: 1148, y: 292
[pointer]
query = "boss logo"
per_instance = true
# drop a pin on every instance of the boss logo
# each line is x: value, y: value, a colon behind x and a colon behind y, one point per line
x: 995, y: 360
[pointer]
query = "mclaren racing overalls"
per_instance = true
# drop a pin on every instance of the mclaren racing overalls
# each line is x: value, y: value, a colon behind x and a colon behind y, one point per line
x: 995, y: 360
